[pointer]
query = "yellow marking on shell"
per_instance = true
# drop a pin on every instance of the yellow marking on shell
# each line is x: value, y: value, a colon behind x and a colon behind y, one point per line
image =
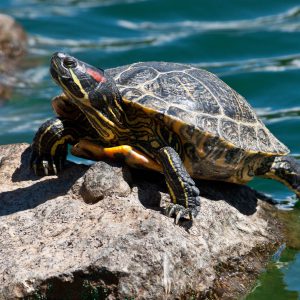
x: 59, y: 142
x: 189, y: 166
x: 179, y: 179
x: 200, y: 146
x: 57, y: 122
x: 176, y: 126
x: 155, y: 144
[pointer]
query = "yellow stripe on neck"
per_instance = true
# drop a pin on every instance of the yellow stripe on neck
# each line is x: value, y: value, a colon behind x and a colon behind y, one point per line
x: 85, y: 99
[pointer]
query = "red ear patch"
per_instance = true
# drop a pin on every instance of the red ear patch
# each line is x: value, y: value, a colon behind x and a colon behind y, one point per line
x: 96, y: 75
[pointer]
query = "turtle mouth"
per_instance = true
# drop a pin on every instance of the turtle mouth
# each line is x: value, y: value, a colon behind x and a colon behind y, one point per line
x: 56, y: 69
x: 54, y: 74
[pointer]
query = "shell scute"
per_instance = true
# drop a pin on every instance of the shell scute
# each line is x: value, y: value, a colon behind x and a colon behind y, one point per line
x: 192, y: 97
x: 179, y: 113
x: 136, y: 76
x: 161, y: 66
x: 230, y: 131
x: 233, y: 105
x: 132, y: 93
x: 207, y: 123
x: 248, y: 137
x: 264, y: 140
x: 153, y: 102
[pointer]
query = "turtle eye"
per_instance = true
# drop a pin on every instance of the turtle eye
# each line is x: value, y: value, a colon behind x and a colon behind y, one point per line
x: 69, y: 62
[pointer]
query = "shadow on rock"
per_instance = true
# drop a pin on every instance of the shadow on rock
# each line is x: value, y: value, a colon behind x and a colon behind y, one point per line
x: 241, y: 197
x: 23, y: 172
x: 38, y: 193
x: 41, y: 190
x: 149, y: 185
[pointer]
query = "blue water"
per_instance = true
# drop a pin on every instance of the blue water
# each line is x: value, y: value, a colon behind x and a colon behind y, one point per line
x: 252, y: 45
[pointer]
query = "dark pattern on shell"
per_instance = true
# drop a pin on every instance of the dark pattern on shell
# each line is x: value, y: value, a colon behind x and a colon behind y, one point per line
x: 153, y: 102
x: 230, y: 131
x: 207, y: 123
x: 115, y: 72
x: 198, y: 98
x: 132, y: 94
x: 278, y: 145
x: 264, y: 166
x: 264, y: 140
x: 248, y: 137
x: 190, y: 149
x: 136, y: 76
x: 233, y: 105
x: 233, y: 156
x: 179, y: 113
x: 161, y: 66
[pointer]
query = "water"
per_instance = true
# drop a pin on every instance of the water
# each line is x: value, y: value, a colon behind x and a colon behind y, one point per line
x: 252, y: 45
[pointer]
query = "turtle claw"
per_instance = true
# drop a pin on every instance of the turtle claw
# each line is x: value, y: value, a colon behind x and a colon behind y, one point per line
x: 54, y: 168
x: 172, y: 209
x: 178, y: 216
x: 179, y: 212
x: 34, y: 167
x: 44, y: 165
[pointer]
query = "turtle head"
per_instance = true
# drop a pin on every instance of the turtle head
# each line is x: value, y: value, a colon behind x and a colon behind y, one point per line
x: 83, y: 83
x: 287, y: 170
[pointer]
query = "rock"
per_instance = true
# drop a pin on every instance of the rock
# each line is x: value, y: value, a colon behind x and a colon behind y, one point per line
x: 13, y: 46
x: 54, y: 245
x: 13, y: 39
x: 103, y: 180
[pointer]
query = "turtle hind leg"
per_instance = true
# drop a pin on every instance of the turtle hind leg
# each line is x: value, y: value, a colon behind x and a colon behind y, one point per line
x: 131, y: 156
x: 183, y: 191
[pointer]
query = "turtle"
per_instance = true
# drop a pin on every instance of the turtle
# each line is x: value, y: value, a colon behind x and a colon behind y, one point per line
x: 176, y: 119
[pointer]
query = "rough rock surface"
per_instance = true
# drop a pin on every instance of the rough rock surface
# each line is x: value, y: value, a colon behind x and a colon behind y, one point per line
x: 77, y: 236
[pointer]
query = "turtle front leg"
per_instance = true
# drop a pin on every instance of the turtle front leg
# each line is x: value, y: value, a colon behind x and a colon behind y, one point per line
x: 183, y: 191
x: 49, y: 147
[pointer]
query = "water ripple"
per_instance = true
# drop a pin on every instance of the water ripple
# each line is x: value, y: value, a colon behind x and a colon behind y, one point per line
x: 286, y: 21
x: 45, y: 45
x: 280, y: 114
x: 266, y: 64
x: 35, y: 9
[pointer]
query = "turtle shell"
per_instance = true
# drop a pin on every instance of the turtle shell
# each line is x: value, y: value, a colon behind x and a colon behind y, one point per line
x: 198, y: 98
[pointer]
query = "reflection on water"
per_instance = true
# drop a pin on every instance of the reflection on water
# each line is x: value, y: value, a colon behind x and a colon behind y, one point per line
x: 274, y: 283
x: 281, y: 280
x: 292, y: 274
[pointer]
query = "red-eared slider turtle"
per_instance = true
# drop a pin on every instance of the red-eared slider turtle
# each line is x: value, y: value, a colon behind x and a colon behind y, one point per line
x: 174, y: 118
